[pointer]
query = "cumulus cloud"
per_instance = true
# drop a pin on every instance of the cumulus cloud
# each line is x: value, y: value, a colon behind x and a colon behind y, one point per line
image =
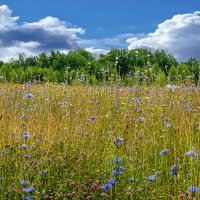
x: 179, y: 35
x: 32, y: 38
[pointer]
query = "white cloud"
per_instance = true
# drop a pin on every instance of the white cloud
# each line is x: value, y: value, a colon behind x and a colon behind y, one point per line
x: 32, y: 38
x: 179, y: 35
x: 6, y: 20
x: 96, y: 51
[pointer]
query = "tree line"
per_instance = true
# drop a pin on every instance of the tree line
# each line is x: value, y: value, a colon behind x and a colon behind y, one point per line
x: 129, y: 67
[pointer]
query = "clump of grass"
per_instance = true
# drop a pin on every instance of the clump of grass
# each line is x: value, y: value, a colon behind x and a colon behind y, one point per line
x: 62, y: 142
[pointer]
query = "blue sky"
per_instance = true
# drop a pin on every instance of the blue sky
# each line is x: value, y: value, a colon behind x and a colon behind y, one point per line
x: 98, y: 26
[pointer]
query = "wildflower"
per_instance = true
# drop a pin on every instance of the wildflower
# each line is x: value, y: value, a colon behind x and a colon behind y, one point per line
x: 28, y: 198
x: 189, y: 175
x: 171, y: 87
x: 116, y: 172
x: 142, y: 119
x: 1, y: 178
x: 43, y: 172
x: 24, y: 182
x: 24, y: 146
x: 181, y: 196
x: 119, y: 168
x: 26, y: 135
x: 118, y: 140
x: 28, y: 96
x: 168, y: 125
x: 174, y: 170
x: 190, y: 153
x: 112, y: 181
x: 117, y: 160
x: 132, y: 180
x: 173, y: 173
x: 92, y: 118
x: 163, y: 152
x: 107, y: 186
x: 27, y: 156
x: 152, y: 178
x: 193, y: 189
x: 28, y: 190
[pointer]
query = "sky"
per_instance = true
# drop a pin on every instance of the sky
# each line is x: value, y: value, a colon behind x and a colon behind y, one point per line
x: 32, y: 27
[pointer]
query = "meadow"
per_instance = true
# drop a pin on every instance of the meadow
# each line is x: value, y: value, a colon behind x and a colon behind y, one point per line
x: 107, y: 142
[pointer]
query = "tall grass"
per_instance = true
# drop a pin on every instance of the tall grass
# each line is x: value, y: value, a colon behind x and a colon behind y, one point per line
x: 82, y: 142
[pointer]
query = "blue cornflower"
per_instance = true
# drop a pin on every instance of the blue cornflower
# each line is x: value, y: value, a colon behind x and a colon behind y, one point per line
x: 175, y: 168
x: 107, y: 186
x: 163, y: 152
x: 1, y: 178
x: 27, y: 156
x: 173, y: 173
x: 171, y: 87
x: 24, y: 182
x: 92, y: 118
x: 132, y: 180
x: 28, y: 96
x: 190, y: 153
x: 112, y: 181
x: 28, y: 198
x: 26, y: 135
x: 142, y: 119
x: 43, y: 171
x: 24, y: 146
x: 40, y: 161
x: 117, y: 160
x: 193, y: 189
x: 168, y: 125
x: 118, y: 140
x: 119, y: 168
x: 115, y: 172
x: 28, y: 190
x: 152, y: 178
x: 189, y: 175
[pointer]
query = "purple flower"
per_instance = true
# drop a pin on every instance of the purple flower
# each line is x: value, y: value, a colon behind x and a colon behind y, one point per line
x: 116, y: 172
x: 142, y: 119
x: 118, y: 140
x: 28, y: 190
x: 43, y: 172
x: 24, y: 146
x: 28, y: 96
x: 175, y: 168
x: 115, y: 160
x: 92, y: 118
x: 193, y: 189
x: 26, y: 135
x: 152, y: 178
x: 132, y: 180
x: 190, y: 153
x: 163, y: 152
x: 173, y: 173
x: 24, y: 182
x: 111, y: 181
x: 27, y: 156
x: 169, y: 126
x: 171, y: 87
x: 107, y: 186
x: 119, y: 168
x: 28, y: 198
x: 1, y: 178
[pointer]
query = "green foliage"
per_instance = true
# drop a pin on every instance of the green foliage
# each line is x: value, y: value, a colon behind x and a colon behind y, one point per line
x: 136, y: 66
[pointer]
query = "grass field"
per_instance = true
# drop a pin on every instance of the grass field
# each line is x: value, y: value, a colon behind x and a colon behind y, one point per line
x: 81, y: 142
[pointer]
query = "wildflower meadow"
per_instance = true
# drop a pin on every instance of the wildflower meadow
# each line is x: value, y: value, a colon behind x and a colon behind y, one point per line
x: 99, y: 142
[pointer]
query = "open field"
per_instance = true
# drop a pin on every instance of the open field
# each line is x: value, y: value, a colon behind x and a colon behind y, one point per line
x: 82, y: 142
